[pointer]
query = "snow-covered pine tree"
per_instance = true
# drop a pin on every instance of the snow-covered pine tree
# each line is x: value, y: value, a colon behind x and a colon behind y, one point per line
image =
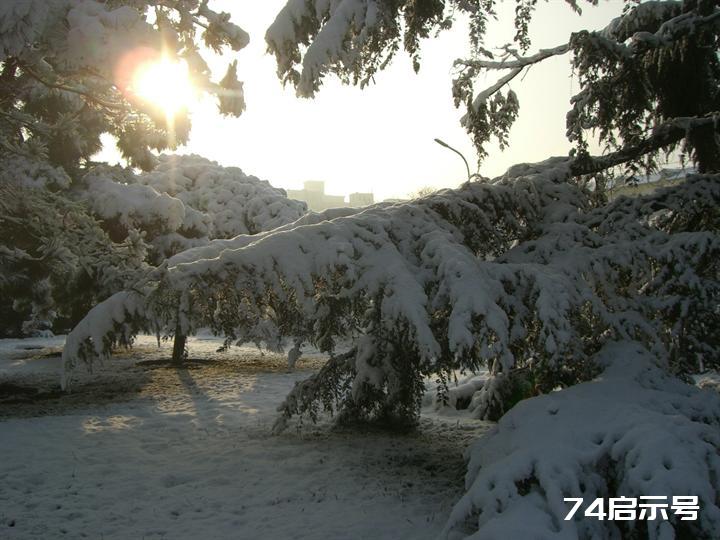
x: 525, y: 275
x: 532, y: 274
x: 523, y: 271
x: 63, y: 84
x: 184, y: 202
x: 383, y: 27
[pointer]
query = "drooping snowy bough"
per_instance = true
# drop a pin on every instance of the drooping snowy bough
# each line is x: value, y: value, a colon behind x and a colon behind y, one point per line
x: 633, y: 432
x: 521, y: 270
x: 526, y: 274
x: 633, y: 75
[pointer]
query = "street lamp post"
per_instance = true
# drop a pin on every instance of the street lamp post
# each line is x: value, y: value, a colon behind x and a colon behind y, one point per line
x: 446, y: 145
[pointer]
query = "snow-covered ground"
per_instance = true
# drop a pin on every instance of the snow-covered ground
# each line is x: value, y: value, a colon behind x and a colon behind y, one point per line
x: 141, y: 449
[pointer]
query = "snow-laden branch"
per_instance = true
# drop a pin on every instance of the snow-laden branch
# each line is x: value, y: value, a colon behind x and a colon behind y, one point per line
x: 383, y: 257
x: 186, y: 201
x: 515, y: 66
x: 610, y: 56
x: 658, y: 23
x: 340, y: 31
x: 646, y: 17
x: 653, y: 25
x: 90, y: 96
x: 503, y: 272
x: 633, y: 431
x: 646, y: 24
x: 517, y: 62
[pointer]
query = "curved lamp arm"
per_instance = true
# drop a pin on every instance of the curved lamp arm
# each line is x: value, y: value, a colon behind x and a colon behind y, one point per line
x: 446, y: 145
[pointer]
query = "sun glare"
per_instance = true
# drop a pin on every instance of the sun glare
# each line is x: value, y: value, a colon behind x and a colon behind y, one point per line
x: 165, y: 84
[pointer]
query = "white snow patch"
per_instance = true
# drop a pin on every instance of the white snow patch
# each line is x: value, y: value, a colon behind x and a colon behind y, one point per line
x: 201, y: 463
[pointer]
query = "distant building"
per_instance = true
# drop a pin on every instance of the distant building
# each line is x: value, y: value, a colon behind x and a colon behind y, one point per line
x: 355, y: 200
x: 314, y: 186
x: 313, y: 193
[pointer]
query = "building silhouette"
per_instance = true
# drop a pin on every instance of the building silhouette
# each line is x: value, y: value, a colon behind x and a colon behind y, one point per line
x: 313, y: 193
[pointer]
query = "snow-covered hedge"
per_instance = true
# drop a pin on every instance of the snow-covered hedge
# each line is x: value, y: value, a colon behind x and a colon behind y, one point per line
x: 634, y: 431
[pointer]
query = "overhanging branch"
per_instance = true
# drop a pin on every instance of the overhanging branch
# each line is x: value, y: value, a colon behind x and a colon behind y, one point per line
x: 518, y: 62
x: 664, y: 135
x: 84, y: 93
x: 516, y: 66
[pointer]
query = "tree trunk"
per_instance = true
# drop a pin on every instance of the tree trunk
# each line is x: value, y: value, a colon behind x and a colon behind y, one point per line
x: 705, y: 142
x: 179, y: 347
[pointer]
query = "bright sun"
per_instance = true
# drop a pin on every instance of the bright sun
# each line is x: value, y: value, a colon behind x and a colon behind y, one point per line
x: 164, y: 83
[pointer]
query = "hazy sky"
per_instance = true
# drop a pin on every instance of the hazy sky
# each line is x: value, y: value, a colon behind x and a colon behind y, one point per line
x: 380, y: 139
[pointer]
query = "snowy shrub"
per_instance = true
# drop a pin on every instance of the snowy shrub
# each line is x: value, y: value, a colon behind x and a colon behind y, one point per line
x: 634, y: 431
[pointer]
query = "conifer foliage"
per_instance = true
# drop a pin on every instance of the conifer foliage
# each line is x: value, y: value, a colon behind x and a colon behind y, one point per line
x: 532, y: 268
x: 534, y: 275
x: 65, y: 78
x: 66, y: 74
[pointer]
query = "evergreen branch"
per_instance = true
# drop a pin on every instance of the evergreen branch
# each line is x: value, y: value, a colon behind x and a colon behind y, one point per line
x: 644, y: 18
x: 670, y: 31
x: 14, y: 119
x: 88, y: 95
x: 664, y: 135
x: 656, y: 23
x: 684, y: 22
